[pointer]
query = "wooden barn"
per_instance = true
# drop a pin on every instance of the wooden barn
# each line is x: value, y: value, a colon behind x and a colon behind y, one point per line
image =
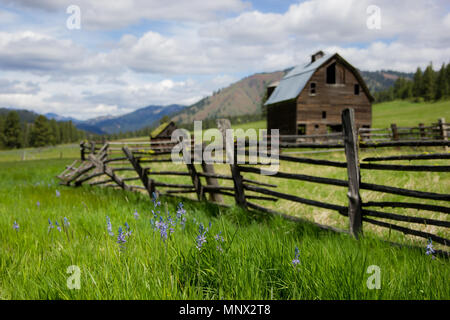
x: 162, y: 133
x: 310, y: 98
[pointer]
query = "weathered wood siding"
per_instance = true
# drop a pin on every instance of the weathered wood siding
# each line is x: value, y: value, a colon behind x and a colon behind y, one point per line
x: 332, y: 99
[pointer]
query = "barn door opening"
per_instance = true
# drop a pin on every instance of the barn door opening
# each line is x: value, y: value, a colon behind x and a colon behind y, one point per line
x: 331, y: 73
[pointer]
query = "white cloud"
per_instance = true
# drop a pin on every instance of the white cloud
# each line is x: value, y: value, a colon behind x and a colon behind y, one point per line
x: 205, y: 49
x: 106, y: 14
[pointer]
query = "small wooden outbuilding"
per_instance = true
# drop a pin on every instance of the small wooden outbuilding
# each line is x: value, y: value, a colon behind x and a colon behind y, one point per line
x: 162, y: 133
x: 310, y: 98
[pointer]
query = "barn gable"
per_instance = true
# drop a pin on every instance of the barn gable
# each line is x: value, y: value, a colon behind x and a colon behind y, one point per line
x: 296, y: 80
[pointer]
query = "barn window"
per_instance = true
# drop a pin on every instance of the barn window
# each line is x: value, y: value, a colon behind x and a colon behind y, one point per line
x: 356, y: 89
x: 316, y: 126
x: 324, y: 114
x: 301, y: 129
x: 331, y: 74
x: 312, y: 89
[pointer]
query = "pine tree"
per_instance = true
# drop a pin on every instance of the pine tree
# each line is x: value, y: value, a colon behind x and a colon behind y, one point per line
x: 429, y: 83
x: 441, y: 84
x: 12, y: 131
x: 54, y: 127
x: 2, y: 130
x: 418, y: 83
x: 407, y: 91
x: 41, y: 135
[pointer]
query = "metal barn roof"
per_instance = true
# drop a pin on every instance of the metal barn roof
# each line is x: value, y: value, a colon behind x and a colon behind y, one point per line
x: 293, y: 83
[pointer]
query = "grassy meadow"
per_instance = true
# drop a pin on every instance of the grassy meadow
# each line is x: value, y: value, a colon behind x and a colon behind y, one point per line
x: 247, y: 255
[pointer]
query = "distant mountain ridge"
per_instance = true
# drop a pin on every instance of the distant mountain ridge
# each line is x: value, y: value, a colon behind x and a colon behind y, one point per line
x: 381, y: 80
x: 144, y: 117
x: 243, y: 97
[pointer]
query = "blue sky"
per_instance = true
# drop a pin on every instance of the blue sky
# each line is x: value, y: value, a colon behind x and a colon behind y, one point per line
x: 130, y: 54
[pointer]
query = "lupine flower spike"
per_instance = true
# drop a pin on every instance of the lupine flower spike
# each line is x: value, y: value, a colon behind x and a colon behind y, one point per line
x: 201, y: 238
x: 162, y: 226
x: 66, y: 222
x: 109, y: 226
x: 58, y: 227
x: 136, y: 214
x: 218, y: 237
x: 50, y: 225
x: 16, y: 226
x: 296, y: 261
x: 58, y: 194
x: 430, y: 249
x: 128, y: 230
x: 121, y: 236
x: 155, y: 202
x: 180, y: 211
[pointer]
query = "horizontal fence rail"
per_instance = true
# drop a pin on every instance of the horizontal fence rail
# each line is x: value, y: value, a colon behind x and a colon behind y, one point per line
x: 104, y: 163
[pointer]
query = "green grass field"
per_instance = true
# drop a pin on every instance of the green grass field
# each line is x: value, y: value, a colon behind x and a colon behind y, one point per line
x: 254, y: 260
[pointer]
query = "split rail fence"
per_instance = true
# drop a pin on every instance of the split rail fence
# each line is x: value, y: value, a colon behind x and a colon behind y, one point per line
x: 105, y: 164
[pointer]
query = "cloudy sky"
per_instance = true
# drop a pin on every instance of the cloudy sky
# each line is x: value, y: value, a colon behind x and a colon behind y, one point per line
x: 128, y: 54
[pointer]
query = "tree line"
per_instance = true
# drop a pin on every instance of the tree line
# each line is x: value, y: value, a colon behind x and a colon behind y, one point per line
x: 428, y: 85
x: 15, y: 133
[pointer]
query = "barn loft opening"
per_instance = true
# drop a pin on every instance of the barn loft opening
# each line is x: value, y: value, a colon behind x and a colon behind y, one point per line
x: 324, y: 114
x: 331, y: 74
x: 356, y: 90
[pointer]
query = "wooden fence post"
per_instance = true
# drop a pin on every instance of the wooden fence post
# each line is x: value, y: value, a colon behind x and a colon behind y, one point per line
x: 92, y: 147
x: 82, y: 151
x: 443, y: 129
x: 231, y: 152
x: 142, y: 173
x: 195, y: 177
x: 394, y: 131
x: 210, y: 181
x: 422, y: 131
x: 351, y: 154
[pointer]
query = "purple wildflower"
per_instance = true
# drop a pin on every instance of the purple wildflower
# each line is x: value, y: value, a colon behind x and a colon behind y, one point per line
x: 121, y: 237
x: 136, y: 214
x: 58, y: 194
x: 109, y: 226
x: 15, y: 226
x: 50, y: 225
x: 128, y: 230
x: 180, y: 211
x: 162, y: 226
x: 201, y: 237
x: 155, y: 202
x: 218, y: 237
x: 171, y: 224
x: 38, y: 204
x: 66, y: 222
x: 296, y: 261
x: 58, y: 227
x: 429, y: 249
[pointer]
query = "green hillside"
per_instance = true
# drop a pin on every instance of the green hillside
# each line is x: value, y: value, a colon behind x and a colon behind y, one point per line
x: 405, y: 113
